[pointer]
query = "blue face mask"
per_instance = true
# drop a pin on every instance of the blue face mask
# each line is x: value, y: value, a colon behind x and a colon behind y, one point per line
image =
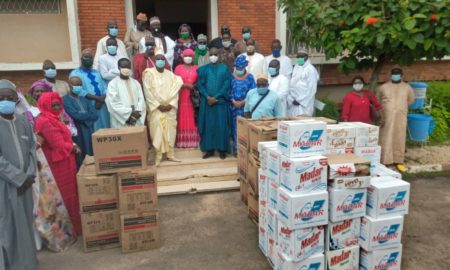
x: 112, y: 50
x: 246, y: 36
x: 113, y: 32
x: 239, y: 72
x: 272, y: 71
x: 7, y: 107
x: 201, y: 47
x: 262, y: 90
x: 160, y: 63
x: 396, y: 77
x: 76, y: 89
x: 50, y: 73
x: 276, y: 53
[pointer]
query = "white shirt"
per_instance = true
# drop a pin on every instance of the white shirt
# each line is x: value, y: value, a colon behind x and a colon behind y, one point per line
x: 285, y: 65
x: 160, y: 48
x: 101, y: 49
x: 280, y: 85
x: 107, y: 65
x: 255, y: 64
x: 302, y: 88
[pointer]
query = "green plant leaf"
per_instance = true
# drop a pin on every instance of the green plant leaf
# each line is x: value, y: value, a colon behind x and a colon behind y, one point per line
x: 427, y: 44
x: 418, y: 38
x: 409, y: 23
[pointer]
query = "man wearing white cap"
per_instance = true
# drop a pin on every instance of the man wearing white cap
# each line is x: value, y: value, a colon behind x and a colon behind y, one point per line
x: 303, y: 86
x: 262, y: 102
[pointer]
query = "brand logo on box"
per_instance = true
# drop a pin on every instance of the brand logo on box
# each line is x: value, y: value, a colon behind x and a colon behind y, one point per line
x: 351, y: 202
x: 394, y: 200
x: 340, y: 258
x: 311, y: 210
x: 311, y: 241
x: 309, y: 139
x: 286, y: 231
x: 313, y: 266
x: 368, y: 151
x: 341, y: 227
x: 109, y: 139
x: 306, y: 175
x: 388, y: 261
x: 285, y: 164
x: 386, y: 234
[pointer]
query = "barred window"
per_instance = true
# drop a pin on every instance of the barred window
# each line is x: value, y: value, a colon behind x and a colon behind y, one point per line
x: 30, y: 6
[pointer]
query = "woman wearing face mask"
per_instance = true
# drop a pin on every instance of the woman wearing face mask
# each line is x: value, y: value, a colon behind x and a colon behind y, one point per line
x: 241, y: 83
x: 60, y: 150
x: 49, y: 69
x: 357, y: 104
x: 185, y: 41
x: 187, y: 131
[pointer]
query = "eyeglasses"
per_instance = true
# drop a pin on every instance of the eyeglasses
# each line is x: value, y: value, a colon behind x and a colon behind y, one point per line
x: 202, y: 43
x: 113, y: 27
x: 150, y: 44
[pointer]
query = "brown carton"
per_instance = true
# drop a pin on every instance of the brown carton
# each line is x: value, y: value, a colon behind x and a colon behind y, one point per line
x: 242, y: 162
x: 120, y: 149
x: 252, y: 172
x: 138, y: 191
x: 260, y: 132
x: 347, y: 165
x: 140, y: 231
x: 253, y: 205
x: 242, y: 132
x: 101, y: 230
x: 96, y: 192
x: 244, y: 191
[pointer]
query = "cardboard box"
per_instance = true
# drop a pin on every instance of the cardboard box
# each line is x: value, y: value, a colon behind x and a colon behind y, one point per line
x: 343, y: 259
x: 371, y: 153
x: 272, y: 233
x: 366, y: 141
x: 252, y: 172
x: 347, y: 165
x: 301, y: 138
x: 343, y: 234
x: 380, y: 170
x: 261, y: 131
x: 253, y: 205
x: 244, y: 191
x: 363, y: 129
x: 242, y: 160
x: 347, y: 203
x: 120, y: 149
x: 273, y: 164
x: 140, y: 231
x: 242, y: 132
x: 263, y: 148
x: 96, y: 192
x: 300, y: 244
x: 263, y: 239
x: 273, y: 193
x: 380, y: 233
x: 263, y: 197
x: 339, y: 151
x: 340, y: 131
x: 350, y: 182
x: 389, y: 259
x: 300, y: 211
x: 138, y: 191
x: 315, y: 262
x: 339, y: 143
x: 310, y: 118
x: 304, y: 175
x: 387, y: 196
x: 101, y: 230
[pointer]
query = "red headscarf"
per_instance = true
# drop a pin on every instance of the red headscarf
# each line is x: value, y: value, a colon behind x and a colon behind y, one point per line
x: 188, y: 52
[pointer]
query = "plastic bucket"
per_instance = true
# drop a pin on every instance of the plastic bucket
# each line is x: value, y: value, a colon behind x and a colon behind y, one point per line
x: 420, y: 126
x: 420, y: 90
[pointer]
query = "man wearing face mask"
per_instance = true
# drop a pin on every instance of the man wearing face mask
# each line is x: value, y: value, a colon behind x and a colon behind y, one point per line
x: 17, y: 173
x: 136, y: 33
x: 220, y: 42
x: 262, y: 102
x: 59, y: 86
x: 255, y: 60
x: 163, y: 43
x: 201, y: 52
x: 84, y: 115
x: 302, y: 87
x: 395, y: 97
x: 278, y: 83
x: 125, y: 99
x: 94, y: 88
x: 241, y: 45
x: 226, y: 53
x: 113, y: 31
x: 161, y: 87
x: 107, y: 64
x: 285, y: 62
x: 214, y: 121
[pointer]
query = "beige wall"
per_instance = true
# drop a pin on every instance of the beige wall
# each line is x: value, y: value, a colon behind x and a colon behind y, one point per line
x: 27, y: 38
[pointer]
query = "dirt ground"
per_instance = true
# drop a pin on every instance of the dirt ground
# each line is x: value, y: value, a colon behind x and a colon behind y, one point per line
x: 212, y: 231
x: 427, y: 154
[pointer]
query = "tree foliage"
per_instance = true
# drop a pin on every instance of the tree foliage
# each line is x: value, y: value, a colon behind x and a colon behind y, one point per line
x: 367, y: 34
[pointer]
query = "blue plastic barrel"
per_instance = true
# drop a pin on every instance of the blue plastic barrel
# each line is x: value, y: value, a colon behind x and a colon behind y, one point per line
x: 420, y: 126
x: 420, y: 90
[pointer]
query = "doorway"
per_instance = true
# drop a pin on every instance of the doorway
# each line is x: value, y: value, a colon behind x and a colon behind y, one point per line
x: 173, y: 13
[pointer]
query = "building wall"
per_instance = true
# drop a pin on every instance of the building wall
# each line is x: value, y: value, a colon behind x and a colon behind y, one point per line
x: 258, y: 14
x: 24, y: 79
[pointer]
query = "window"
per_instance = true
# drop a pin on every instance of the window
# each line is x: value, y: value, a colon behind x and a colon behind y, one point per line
x: 30, y: 6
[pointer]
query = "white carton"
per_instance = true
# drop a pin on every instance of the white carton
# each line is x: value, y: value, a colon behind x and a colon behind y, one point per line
x: 299, y: 211
x: 350, y: 182
x: 347, y: 203
x: 273, y: 193
x: 339, y: 151
x: 273, y: 163
x: 304, y: 175
x: 381, y: 170
x: 343, y: 259
x: 302, y: 138
x: 338, y: 143
x: 340, y: 131
x: 363, y: 129
x: 372, y: 153
x: 272, y: 234
x: 380, y: 233
x: 300, y: 244
x: 383, y: 259
x: 343, y: 234
x: 366, y: 141
x: 315, y: 262
x: 262, y: 239
x: 262, y: 149
x: 387, y: 196
x: 263, y: 197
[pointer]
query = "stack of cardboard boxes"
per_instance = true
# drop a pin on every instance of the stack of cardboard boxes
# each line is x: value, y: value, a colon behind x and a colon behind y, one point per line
x: 118, y: 193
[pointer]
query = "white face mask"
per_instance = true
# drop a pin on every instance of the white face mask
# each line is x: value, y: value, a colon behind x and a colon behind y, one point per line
x: 187, y: 60
x: 358, y: 86
x: 213, y: 58
x: 125, y: 72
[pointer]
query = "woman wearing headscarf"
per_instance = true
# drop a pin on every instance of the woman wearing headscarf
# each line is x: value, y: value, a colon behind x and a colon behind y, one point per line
x: 59, y: 149
x: 241, y: 83
x: 187, y: 132
x: 185, y: 41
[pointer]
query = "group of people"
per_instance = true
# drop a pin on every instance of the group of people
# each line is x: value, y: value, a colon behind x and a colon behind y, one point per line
x: 188, y: 92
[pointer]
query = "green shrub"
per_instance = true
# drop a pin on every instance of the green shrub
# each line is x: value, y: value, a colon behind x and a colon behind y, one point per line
x: 330, y: 110
x: 439, y: 92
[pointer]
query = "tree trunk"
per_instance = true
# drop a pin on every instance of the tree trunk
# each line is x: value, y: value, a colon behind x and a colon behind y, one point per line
x: 376, y: 72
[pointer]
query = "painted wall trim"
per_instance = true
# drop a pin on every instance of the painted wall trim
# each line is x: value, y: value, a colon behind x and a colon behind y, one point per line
x: 214, y: 19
